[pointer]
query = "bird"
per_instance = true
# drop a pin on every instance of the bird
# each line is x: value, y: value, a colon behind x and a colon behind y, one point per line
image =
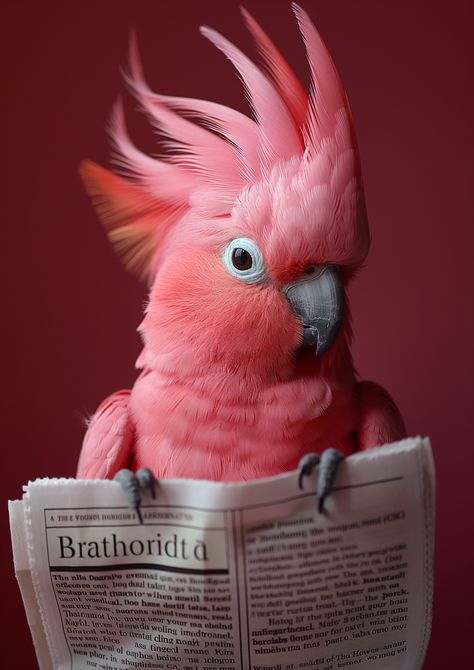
x: 248, y: 230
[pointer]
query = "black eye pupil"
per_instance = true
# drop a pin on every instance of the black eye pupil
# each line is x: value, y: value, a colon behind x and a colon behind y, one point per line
x: 241, y: 259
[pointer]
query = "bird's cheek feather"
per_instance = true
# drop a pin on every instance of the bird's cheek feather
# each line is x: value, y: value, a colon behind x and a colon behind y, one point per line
x: 196, y: 300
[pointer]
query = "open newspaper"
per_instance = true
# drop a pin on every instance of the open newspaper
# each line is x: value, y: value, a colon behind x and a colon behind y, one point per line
x: 246, y: 575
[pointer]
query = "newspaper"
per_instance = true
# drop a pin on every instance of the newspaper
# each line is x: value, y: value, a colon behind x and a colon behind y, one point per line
x: 245, y: 575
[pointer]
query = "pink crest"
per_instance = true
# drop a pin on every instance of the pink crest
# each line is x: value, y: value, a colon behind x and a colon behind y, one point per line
x: 291, y: 174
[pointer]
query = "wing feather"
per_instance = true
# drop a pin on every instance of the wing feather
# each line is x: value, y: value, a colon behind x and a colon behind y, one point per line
x: 380, y: 421
x: 108, y: 442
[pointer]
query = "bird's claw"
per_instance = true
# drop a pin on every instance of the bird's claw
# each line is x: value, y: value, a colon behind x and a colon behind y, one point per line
x: 328, y: 465
x: 132, y: 483
x: 306, y: 467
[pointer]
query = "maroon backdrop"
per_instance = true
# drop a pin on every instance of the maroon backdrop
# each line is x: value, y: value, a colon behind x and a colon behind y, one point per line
x: 70, y: 310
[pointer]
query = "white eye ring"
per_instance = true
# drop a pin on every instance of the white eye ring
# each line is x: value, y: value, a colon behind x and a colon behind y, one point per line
x: 250, y: 275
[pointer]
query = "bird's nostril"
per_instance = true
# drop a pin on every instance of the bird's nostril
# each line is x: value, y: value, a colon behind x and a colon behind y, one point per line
x: 310, y: 271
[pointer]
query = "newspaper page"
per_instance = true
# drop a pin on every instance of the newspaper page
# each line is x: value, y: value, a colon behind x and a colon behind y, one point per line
x: 244, y: 576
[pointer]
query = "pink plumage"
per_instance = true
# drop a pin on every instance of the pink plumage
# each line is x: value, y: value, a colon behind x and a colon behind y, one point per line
x: 226, y: 392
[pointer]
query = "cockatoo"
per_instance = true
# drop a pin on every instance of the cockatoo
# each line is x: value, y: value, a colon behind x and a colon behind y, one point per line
x: 248, y: 231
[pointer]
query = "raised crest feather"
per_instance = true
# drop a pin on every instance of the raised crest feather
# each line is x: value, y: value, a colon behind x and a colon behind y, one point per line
x: 135, y: 221
x: 279, y: 136
x: 282, y: 76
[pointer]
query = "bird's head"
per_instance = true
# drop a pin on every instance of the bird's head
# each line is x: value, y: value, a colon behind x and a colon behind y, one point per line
x: 247, y: 230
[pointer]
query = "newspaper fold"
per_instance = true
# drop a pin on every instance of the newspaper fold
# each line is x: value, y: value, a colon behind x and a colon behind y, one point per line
x: 244, y: 575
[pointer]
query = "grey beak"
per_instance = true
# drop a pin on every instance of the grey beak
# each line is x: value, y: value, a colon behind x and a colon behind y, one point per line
x: 319, y: 302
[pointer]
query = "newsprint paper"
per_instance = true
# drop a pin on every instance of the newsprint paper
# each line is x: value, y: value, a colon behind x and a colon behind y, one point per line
x: 244, y: 576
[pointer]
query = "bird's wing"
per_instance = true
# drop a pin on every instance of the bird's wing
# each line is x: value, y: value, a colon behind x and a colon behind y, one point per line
x: 108, y: 441
x: 380, y: 421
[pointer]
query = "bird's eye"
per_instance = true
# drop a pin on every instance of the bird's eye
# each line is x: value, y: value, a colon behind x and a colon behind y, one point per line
x: 244, y: 260
x: 241, y: 259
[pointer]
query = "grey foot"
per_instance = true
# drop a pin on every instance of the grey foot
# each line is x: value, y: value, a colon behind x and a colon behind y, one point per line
x: 131, y: 484
x: 328, y: 465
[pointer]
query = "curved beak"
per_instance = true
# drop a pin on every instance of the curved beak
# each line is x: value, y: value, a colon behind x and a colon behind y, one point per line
x: 319, y: 302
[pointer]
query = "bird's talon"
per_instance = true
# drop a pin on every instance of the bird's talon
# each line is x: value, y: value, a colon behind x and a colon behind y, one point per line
x: 328, y: 466
x: 306, y: 467
x: 139, y: 514
x: 321, y: 504
x: 146, y: 480
x: 131, y: 484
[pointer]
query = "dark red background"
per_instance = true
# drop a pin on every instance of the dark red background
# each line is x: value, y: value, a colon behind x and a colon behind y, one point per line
x: 70, y: 310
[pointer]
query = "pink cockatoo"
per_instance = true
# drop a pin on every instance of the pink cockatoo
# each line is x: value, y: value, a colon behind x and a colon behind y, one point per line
x: 248, y: 231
